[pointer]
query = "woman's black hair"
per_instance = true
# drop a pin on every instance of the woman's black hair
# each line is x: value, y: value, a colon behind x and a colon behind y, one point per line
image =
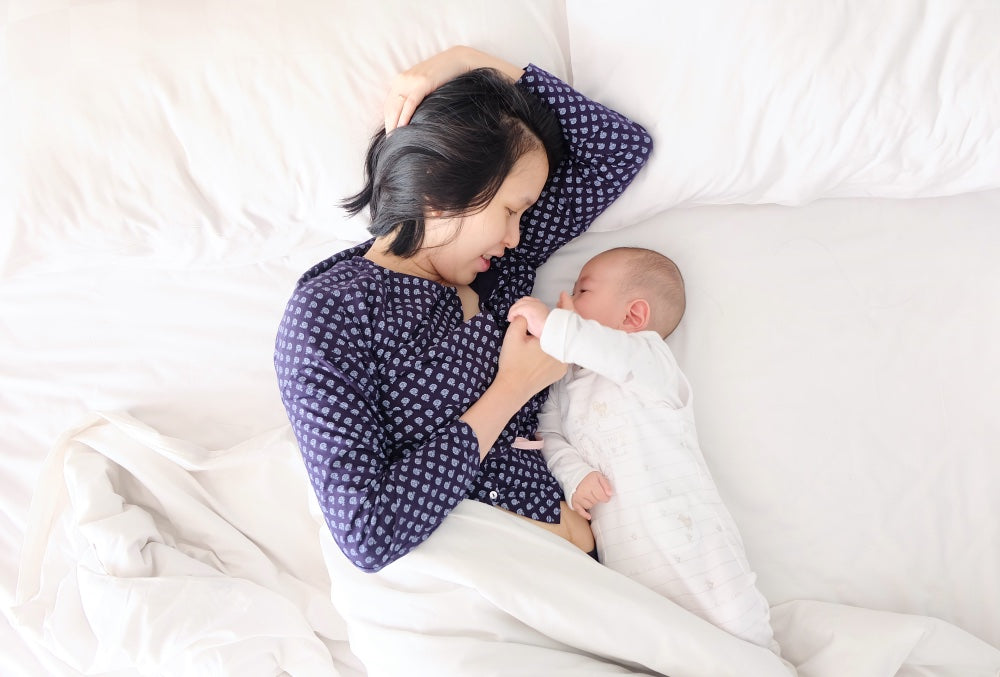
x: 460, y: 144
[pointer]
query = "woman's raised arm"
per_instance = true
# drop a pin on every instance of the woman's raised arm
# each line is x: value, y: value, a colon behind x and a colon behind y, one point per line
x: 605, y: 151
x: 412, y: 85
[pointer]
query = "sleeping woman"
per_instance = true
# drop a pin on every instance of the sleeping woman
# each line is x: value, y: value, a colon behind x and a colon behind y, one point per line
x: 406, y: 388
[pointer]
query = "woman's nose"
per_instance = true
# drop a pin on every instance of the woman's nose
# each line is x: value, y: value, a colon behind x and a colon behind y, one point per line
x: 513, y: 234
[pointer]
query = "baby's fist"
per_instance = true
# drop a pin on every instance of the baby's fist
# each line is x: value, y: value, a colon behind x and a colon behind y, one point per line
x: 565, y: 302
x: 533, y: 311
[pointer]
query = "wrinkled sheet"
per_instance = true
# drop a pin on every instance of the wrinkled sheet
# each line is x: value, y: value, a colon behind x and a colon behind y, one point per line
x: 165, y: 557
x: 169, y: 169
x: 149, y: 552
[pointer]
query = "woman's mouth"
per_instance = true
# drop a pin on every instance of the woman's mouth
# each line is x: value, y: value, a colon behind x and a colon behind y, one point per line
x: 484, y: 264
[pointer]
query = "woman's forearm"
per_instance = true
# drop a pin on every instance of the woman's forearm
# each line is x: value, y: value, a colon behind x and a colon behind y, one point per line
x: 489, y: 415
x: 523, y: 369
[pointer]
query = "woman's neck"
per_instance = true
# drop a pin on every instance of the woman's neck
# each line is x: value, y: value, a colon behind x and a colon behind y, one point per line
x: 417, y: 265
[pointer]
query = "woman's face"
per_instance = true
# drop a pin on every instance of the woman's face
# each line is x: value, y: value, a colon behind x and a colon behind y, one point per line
x: 458, y: 248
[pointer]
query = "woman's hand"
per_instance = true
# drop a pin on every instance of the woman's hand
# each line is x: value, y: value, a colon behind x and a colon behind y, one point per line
x: 522, y: 360
x: 522, y: 370
x: 411, y: 86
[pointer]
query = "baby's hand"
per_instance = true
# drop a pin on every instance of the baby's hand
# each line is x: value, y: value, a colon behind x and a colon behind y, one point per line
x: 593, y: 489
x: 565, y: 302
x: 533, y: 311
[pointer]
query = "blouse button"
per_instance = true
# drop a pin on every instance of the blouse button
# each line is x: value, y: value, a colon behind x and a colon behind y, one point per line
x: 494, y: 495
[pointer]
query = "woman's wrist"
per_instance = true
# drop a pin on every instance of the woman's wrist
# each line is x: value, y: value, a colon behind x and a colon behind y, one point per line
x: 489, y: 415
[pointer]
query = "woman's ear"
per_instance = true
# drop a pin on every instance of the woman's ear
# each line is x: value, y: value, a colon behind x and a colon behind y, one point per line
x: 636, y: 315
x: 431, y: 212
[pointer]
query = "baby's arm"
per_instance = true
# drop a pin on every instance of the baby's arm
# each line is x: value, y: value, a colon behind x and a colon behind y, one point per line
x: 565, y: 462
x: 640, y: 361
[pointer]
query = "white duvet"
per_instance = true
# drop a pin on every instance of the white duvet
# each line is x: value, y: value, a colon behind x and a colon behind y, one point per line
x: 150, y: 552
x: 168, y: 169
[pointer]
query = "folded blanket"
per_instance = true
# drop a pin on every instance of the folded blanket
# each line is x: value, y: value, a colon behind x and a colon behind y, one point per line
x: 151, y: 553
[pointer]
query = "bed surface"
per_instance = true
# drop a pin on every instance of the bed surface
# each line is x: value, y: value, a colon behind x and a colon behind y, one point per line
x: 841, y: 472
x: 164, y: 185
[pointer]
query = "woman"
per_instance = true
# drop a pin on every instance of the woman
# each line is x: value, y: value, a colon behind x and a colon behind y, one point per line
x: 406, y: 389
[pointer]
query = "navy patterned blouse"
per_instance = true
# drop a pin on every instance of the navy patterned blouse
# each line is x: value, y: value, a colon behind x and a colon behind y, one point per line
x: 375, y: 367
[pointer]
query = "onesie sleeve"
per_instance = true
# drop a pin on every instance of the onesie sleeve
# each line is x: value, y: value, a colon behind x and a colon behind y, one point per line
x: 640, y: 361
x: 378, y: 504
x: 563, y: 459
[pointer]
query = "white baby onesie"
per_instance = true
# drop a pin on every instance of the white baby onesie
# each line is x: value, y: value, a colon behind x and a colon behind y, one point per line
x: 626, y: 409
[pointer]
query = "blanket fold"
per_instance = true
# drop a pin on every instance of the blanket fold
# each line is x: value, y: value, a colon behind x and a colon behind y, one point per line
x: 150, y: 553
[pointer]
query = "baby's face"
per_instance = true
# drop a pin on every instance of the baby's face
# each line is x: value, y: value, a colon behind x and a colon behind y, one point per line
x: 597, y: 294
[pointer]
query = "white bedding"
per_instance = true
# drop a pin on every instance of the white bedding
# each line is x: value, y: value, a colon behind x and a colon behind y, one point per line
x: 169, y: 169
x: 155, y: 556
x: 803, y: 554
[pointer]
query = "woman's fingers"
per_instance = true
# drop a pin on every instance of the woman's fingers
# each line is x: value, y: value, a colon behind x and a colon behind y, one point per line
x: 518, y: 326
x: 393, y: 109
x: 399, y: 106
x: 409, y: 105
x: 411, y: 86
x: 523, y: 363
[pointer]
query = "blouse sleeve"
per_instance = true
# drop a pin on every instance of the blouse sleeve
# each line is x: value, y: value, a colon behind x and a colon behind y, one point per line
x: 377, y: 505
x: 604, y: 152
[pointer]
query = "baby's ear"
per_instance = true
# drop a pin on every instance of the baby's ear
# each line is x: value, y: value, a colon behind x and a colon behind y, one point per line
x: 636, y: 316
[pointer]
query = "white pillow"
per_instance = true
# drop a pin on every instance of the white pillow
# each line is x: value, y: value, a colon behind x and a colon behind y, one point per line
x: 209, y: 134
x: 786, y: 102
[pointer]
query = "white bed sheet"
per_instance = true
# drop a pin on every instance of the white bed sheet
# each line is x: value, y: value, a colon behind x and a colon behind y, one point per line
x: 844, y: 364
x: 186, y: 351
x: 864, y: 477
x: 842, y: 353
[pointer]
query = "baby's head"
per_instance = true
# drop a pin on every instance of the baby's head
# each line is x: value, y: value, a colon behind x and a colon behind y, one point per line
x: 631, y: 289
